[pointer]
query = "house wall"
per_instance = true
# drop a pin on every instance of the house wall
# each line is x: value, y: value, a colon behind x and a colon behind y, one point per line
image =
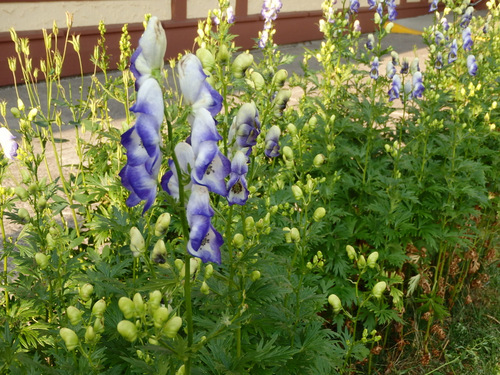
x: 297, y: 22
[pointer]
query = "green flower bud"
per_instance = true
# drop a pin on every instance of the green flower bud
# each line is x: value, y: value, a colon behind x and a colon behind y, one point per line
x: 69, y: 337
x: 127, y: 307
x: 20, y: 104
x: 74, y: 315
x: 181, y: 370
x: 194, y: 266
x: 159, y: 254
x: 376, y: 18
x: 319, y: 160
x: 351, y: 253
x: 86, y: 291
x: 50, y: 241
x: 15, y: 112
x: 255, y: 275
x: 162, y: 224
x: 388, y: 27
x: 335, y: 302
x: 90, y: 335
x: 33, y: 188
x: 280, y: 78
x: 32, y: 114
x: 250, y: 226
x: 313, y: 121
x: 361, y: 262
x: 160, y: 316
x: 41, y: 204
x: 21, y: 193
x: 179, y: 264
x: 223, y: 54
x: 25, y: 176
x: 297, y: 192
x: 319, y: 214
x: 41, y: 260
x: 209, y: 270
x: 23, y: 215
x: 204, y: 288
x: 292, y: 129
x: 295, y: 235
x: 287, y: 153
x: 288, y: 237
x: 372, y: 259
x: 379, y: 289
x: 137, y: 244
x: 257, y: 81
x: 138, y: 303
x: 172, y: 327
x: 238, y: 240
x: 206, y: 57
x: 99, y: 308
x: 281, y: 98
x: 154, y: 300
x: 241, y: 63
x: 128, y: 330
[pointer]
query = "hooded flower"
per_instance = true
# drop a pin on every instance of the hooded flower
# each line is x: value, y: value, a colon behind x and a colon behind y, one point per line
x: 418, y: 87
x: 148, y: 57
x: 471, y: 65
x: 444, y: 23
x: 142, y: 142
x: 196, y: 91
x: 439, y: 61
x: 354, y: 6
x: 371, y: 4
x: 370, y: 42
x: 391, y: 10
x: 467, y: 40
x: 374, y: 68
x: 204, y: 240
x: 466, y: 17
x: 8, y: 143
x: 237, y: 184
x: 434, y: 5
x: 245, y: 129
x: 272, y: 147
x: 170, y: 180
x: 452, y: 56
x: 390, y: 69
x: 270, y: 10
x: 395, y: 88
x: 210, y: 165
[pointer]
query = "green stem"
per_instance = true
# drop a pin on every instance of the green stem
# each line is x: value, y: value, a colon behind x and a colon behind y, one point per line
x: 5, y: 265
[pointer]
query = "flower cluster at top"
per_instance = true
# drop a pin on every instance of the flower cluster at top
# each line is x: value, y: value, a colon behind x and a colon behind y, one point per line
x: 199, y: 166
x: 413, y: 84
x: 270, y: 10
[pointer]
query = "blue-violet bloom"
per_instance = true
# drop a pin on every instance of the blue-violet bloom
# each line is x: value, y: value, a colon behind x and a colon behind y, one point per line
x: 371, y: 4
x: 452, y: 55
x: 466, y: 38
x: 148, y: 57
x: 395, y: 88
x: 391, y: 10
x: 9, y: 145
x: 237, y: 184
x: 434, y: 5
x: 471, y: 65
x: 210, y: 166
x: 418, y: 87
x: 142, y: 142
x: 270, y: 10
x: 204, y: 240
x: 374, y: 68
x: 185, y: 157
x: 354, y: 6
x: 390, y: 69
x: 444, y: 23
x: 466, y: 17
x: 272, y: 147
x: 195, y: 89
x: 244, y: 129
x: 439, y: 61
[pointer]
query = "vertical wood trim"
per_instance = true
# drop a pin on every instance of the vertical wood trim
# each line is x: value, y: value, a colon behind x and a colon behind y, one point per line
x: 241, y: 8
x: 179, y: 10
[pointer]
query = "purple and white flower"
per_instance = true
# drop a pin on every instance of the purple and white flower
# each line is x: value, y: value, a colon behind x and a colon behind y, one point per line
x: 391, y: 10
x: 374, y: 68
x: 237, y: 185
x: 452, y: 55
x: 471, y: 65
x: 148, y: 57
x: 210, y: 166
x: 244, y: 129
x: 270, y: 10
x: 467, y: 40
x: 204, y: 241
x: 439, y: 61
x: 390, y: 69
x: 142, y: 142
x: 466, y: 17
x: 444, y: 23
x: 9, y: 145
x: 196, y: 91
x: 170, y: 180
x: 354, y: 6
x: 395, y: 88
x: 272, y: 147
x: 418, y: 87
x: 434, y: 5
x: 370, y: 43
x: 371, y: 4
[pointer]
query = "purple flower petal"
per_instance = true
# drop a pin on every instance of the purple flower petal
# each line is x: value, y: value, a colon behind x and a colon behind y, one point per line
x: 272, y: 147
x: 151, y: 51
x: 237, y: 184
x: 9, y: 145
x: 185, y: 157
